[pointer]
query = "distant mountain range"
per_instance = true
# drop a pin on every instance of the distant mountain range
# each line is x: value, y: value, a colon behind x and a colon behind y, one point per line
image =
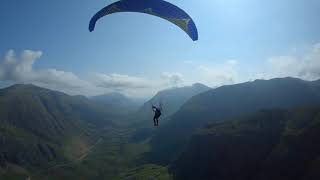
x: 170, y: 99
x: 269, y: 144
x: 39, y: 127
x: 118, y: 103
x: 259, y: 130
x: 225, y: 102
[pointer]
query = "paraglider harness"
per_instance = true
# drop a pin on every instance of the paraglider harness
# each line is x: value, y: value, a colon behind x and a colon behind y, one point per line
x: 157, y: 114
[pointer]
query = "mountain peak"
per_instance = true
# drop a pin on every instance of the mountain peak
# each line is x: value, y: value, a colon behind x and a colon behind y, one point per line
x: 110, y: 96
x: 172, y: 99
x: 30, y: 88
x: 279, y: 79
x: 23, y: 86
x: 199, y: 85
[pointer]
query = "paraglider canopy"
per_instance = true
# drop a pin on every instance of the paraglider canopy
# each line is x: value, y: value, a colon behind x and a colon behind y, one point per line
x: 157, y: 8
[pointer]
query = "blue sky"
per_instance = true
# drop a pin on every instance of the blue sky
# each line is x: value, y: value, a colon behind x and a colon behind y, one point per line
x: 239, y: 40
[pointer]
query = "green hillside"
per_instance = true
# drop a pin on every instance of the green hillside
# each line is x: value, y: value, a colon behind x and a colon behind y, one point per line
x: 48, y: 135
x: 40, y: 127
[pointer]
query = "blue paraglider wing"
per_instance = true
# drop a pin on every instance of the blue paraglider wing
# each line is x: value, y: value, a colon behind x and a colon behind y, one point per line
x: 157, y: 8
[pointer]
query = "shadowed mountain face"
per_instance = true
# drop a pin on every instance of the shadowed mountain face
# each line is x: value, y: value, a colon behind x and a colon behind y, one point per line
x: 270, y: 144
x: 171, y: 100
x: 229, y: 101
x: 36, y: 124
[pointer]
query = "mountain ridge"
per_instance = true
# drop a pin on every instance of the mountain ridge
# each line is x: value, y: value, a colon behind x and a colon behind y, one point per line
x: 171, y: 100
x: 38, y: 125
x: 225, y: 102
x: 269, y: 144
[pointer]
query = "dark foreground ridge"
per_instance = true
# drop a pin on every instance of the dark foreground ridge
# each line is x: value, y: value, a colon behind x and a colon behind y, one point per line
x: 270, y: 144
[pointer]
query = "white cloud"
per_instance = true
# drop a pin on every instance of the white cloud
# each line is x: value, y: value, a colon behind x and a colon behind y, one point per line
x: 20, y: 70
x: 305, y: 67
x: 281, y: 64
x: 188, y: 62
x: 14, y: 69
x: 218, y: 75
x: 172, y: 79
x: 232, y: 62
x: 119, y: 82
x: 137, y: 86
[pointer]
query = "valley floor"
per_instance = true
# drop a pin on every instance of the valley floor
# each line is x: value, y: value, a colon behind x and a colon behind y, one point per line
x: 112, y: 156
